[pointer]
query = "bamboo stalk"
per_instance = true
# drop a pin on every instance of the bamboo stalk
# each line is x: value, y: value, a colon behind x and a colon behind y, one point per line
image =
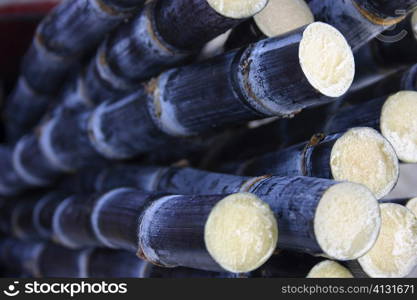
x: 56, y: 261
x: 334, y: 157
x: 165, y: 34
x: 106, y: 263
x: 392, y: 115
x: 394, y: 253
x: 71, y: 223
x: 71, y: 30
x: 329, y: 269
x: 277, y: 18
x: 44, y: 210
x: 361, y: 20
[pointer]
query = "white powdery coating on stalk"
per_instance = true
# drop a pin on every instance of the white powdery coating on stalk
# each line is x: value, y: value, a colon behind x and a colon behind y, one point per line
x: 237, y: 9
x: 329, y: 269
x: 326, y: 59
x: 395, y: 252
x: 347, y: 221
x: 399, y: 124
x: 412, y: 205
x: 282, y: 16
x: 241, y: 233
x: 364, y: 156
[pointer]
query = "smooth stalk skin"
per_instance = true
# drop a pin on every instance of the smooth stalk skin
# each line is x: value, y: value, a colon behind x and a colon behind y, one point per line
x: 44, y: 210
x: 165, y: 34
x: 107, y: 263
x: 360, y: 20
x: 153, y: 271
x: 10, y: 182
x: 20, y: 256
x: 71, y: 30
x: 72, y: 224
x: 55, y: 261
x: 115, y: 217
x: 171, y: 232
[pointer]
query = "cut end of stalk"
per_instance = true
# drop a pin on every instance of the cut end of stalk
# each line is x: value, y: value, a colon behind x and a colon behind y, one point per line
x: 282, y: 16
x: 326, y: 59
x: 237, y: 9
x: 399, y: 124
x: 364, y: 156
x: 412, y: 205
x: 329, y: 269
x: 395, y: 252
x: 241, y: 233
x: 347, y: 221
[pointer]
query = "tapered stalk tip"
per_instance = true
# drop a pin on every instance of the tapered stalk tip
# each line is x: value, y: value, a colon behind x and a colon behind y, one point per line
x: 241, y: 233
x: 326, y: 59
x: 364, y: 156
x: 329, y: 269
x: 395, y: 251
x: 347, y: 221
x: 399, y: 126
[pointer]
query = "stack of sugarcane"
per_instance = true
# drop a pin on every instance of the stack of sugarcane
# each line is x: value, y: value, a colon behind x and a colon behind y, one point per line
x: 263, y: 157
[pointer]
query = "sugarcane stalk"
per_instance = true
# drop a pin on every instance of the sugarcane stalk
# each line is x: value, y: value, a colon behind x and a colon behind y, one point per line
x: 329, y: 269
x: 72, y: 225
x: 334, y: 157
x: 10, y: 182
x: 182, y: 231
x: 165, y: 34
x: 153, y: 271
x: 23, y: 220
x: 277, y: 18
x: 107, y: 263
x: 70, y: 31
x: 20, y: 256
x: 392, y: 115
x: 361, y: 20
x: 44, y: 210
x: 394, y: 254
x: 56, y: 261
x: 115, y: 217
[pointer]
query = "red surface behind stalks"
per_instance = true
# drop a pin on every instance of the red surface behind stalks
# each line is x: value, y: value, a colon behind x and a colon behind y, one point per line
x: 18, y: 22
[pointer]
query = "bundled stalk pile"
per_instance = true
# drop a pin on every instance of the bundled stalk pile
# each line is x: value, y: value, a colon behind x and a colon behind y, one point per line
x: 299, y: 195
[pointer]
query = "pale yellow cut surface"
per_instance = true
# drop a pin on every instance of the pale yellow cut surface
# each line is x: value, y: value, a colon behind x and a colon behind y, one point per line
x: 282, y: 16
x: 329, y: 269
x: 395, y: 251
x: 347, y: 221
x: 364, y: 156
x: 326, y: 59
x: 241, y: 233
x: 237, y: 9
